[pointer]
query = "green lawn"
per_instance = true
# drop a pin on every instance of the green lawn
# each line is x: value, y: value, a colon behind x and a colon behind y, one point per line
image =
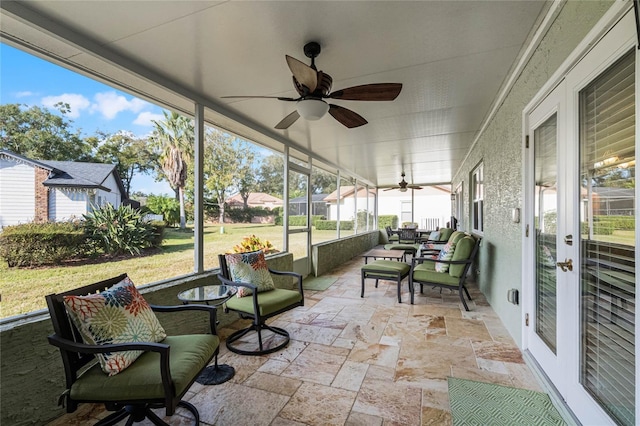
x: 23, y: 290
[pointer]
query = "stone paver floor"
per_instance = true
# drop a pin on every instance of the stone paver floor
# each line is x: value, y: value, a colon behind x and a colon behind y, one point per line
x: 358, y: 361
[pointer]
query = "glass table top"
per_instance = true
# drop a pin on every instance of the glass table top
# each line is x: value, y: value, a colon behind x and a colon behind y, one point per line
x: 208, y: 293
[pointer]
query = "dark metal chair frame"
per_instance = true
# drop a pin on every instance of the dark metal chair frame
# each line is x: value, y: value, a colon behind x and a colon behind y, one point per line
x: 259, y: 321
x: 461, y: 282
x: 77, y: 357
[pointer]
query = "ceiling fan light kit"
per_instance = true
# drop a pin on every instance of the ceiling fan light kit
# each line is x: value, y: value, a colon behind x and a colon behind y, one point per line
x: 312, y: 109
x: 314, y: 86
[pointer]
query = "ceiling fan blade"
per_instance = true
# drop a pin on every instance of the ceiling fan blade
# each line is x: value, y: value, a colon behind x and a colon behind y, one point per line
x: 303, y: 73
x: 369, y: 92
x: 414, y: 187
x: 347, y: 117
x: 391, y: 189
x: 280, y: 98
x: 288, y: 120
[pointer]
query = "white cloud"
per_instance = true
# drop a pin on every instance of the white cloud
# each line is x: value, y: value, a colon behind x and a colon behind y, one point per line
x: 24, y: 94
x: 109, y: 104
x: 76, y: 102
x: 144, y: 118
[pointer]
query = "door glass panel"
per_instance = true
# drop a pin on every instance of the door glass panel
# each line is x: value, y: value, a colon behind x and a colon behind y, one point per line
x: 546, y: 215
x: 298, y: 214
x: 607, y: 243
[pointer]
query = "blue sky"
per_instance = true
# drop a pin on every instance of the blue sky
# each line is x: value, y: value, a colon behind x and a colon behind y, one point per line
x: 29, y: 80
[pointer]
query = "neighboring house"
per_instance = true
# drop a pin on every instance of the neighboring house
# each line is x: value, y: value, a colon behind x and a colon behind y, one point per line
x: 256, y: 199
x: 348, y: 201
x: 298, y: 206
x: 430, y: 205
x: 43, y: 190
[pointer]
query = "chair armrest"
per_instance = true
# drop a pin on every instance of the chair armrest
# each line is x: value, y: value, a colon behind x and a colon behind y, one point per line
x: 296, y: 275
x: 84, y: 348
x: 177, y: 308
x: 161, y: 348
x: 448, y: 262
x: 225, y: 281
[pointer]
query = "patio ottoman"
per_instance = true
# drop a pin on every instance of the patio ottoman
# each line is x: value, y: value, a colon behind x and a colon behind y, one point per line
x: 408, y: 248
x: 385, y: 270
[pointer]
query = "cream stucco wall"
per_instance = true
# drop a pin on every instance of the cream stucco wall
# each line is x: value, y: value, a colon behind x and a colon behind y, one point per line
x: 499, y: 147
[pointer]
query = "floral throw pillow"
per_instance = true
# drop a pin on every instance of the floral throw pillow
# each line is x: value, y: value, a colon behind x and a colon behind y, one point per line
x: 250, y: 268
x: 445, y: 254
x: 117, y: 315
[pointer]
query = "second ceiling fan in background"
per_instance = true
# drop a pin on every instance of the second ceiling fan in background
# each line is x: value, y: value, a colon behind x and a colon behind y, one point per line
x: 314, y: 86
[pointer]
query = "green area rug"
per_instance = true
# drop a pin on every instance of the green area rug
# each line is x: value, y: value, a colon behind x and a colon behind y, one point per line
x: 318, y: 283
x: 477, y: 403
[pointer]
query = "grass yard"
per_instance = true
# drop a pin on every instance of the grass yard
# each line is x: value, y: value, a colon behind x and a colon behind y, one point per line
x: 23, y: 290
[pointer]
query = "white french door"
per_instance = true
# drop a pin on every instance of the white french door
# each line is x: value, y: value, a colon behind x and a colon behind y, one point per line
x: 580, y: 252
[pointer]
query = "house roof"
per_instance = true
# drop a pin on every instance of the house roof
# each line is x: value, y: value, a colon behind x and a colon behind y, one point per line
x: 73, y: 174
x: 315, y: 198
x: 254, y: 198
x: 347, y: 191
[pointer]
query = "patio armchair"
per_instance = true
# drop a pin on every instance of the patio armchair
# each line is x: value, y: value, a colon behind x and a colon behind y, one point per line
x: 258, y: 300
x: 392, y: 235
x: 443, y: 236
x: 448, y: 270
x: 128, y: 363
x: 407, y: 242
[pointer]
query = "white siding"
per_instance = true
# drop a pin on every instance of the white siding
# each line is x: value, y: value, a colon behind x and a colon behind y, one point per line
x: 114, y: 197
x: 17, y: 193
x: 66, y: 205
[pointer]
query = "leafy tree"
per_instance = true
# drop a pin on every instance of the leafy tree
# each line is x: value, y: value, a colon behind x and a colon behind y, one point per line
x: 221, y: 163
x: 270, y: 178
x: 174, y: 137
x: 323, y: 182
x: 129, y: 153
x: 168, y: 207
x: 38, y: 133
x: 245, y: 179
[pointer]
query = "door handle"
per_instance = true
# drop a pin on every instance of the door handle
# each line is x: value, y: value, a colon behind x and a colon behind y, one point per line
x: 566, y: 265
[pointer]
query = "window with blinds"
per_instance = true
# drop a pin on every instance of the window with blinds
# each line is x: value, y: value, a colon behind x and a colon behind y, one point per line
x: 607, y: 193
x: 545, y: 165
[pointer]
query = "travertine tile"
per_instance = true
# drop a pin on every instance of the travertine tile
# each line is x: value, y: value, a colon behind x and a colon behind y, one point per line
x: 375, y: 353
x: 362, y: 419
x: 362, y: 331
x: 458, y: 327
x: 273, y: 383
x: 392, y: 401
x: 497, y: 351
x: 317, y: 363
x: 228, y: 403
x: 314, y: 404
x: 350, y: 376
x: 481, y: 375
x: 522, y: 377
x: 435, y: 417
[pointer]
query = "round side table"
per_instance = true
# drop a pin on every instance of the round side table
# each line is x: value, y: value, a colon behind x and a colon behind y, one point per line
x: 214, y: 295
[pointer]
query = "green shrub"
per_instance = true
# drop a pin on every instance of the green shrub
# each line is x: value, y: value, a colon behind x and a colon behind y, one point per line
x: 157, y: 228
x: 362, y: 219
x: 119, y: 230
x: 168, y: 207
x: 328, y: 225
x: 388, y: 220
x: 36, y: 244
x: 297, y: 220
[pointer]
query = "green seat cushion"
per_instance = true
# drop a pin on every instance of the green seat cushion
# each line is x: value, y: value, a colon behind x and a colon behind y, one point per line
x: 142, y: 380
x: 445, y: 233
x: 463, y: 250
x: 405, y: 247
x: 394, y: 237
x: 456, y: 236
x: 390, y: 266
x: 422, y: 273
x: 268, y: 301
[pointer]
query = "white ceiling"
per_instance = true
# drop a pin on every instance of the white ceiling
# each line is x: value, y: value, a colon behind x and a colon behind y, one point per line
x: 451, y: 57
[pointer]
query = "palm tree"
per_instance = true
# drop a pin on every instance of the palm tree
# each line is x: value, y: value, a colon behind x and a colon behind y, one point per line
x: 174, y: 137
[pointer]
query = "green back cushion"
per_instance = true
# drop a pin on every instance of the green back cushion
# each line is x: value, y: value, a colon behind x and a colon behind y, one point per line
x: 456, y: 236
x: 445, y: 233
x: 249, y: 268
x: 117, y: 315
x: 463, y: 250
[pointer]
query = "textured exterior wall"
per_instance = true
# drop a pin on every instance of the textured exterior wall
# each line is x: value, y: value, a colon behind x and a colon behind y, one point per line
x: 31, y: 369
x: 500, y: 149
x: 326, y: 256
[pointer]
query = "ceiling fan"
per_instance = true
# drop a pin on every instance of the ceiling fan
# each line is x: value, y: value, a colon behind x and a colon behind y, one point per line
x: 403, y: 185
x: 314, y: 86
